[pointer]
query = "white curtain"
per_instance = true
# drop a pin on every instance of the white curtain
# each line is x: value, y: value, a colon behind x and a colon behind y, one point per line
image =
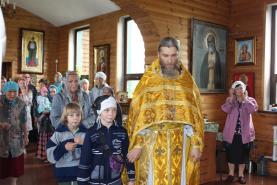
x: 2, y: 41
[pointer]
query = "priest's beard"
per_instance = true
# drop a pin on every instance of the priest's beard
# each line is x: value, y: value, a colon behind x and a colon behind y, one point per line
x: 170, y: 71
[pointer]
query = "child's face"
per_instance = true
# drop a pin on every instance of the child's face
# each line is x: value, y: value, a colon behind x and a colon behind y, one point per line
x: 43, y: 93
x: 108, y: 115
x: 73, y: 119
x: 52, y: 92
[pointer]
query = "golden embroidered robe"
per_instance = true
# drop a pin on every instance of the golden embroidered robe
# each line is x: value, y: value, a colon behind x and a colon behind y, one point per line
x: 160, y: 109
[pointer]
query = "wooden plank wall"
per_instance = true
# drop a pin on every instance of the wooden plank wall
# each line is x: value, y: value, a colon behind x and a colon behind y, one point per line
x: 103, y: 30
x: 24, y: 19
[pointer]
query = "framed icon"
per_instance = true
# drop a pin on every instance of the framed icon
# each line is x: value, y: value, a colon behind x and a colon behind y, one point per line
x: 209, y: 56
x: 102, y: 59
x: 32, y: 51
x: 245, y: 51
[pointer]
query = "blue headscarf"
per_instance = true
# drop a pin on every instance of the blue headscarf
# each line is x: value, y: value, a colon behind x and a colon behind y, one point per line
x: 10, y: 86
x: 51, y: 87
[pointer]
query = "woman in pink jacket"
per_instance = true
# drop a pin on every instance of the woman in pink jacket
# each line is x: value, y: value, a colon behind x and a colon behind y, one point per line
x: 238, y: 133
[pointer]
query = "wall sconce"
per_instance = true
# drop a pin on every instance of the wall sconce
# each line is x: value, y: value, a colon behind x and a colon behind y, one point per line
x: 56, y: 62
x: 8, y: 8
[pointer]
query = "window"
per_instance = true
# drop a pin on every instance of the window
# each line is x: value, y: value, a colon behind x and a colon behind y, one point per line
x: 81, y: 51
x: 273, y: 64
x: 134, y: 56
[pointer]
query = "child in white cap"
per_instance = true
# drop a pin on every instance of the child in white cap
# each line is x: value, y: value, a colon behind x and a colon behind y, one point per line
x: 105, y: 148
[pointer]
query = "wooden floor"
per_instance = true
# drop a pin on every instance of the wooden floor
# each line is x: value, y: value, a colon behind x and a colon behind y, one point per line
x: 39, y: 173
x: 250, y: 180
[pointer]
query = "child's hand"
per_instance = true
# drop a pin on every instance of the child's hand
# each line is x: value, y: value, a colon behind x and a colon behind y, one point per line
x: 70, y: 146
x: 79, y: 140
x: 134, y: 154
x: 131, y: 183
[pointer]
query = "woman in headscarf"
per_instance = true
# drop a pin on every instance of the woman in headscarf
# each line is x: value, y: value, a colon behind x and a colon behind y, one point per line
x: 238, y: 133
x: 100, y: 83
x: 85, y: 85
x: 13, y: 134
x: 52, y: 92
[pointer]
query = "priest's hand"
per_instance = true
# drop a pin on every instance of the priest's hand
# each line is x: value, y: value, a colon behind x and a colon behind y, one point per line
x: 134, y: 154
x: 195, y: 154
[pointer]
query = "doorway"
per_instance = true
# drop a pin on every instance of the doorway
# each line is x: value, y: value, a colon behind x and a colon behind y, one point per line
x: 7, y: 70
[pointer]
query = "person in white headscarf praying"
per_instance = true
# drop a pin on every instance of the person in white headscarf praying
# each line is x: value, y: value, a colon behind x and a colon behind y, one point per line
x: 238, y: 133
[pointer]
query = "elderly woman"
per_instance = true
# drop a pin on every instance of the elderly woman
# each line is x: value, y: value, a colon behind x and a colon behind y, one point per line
x: 100, y: 83
x: 13, y: 134
x: 71, y: 93
x: 85, y: 85
x: 238, y: 133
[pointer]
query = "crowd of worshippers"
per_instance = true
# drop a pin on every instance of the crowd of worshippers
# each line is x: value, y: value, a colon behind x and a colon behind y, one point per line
x: 45, y: 103
x: 57, y: 116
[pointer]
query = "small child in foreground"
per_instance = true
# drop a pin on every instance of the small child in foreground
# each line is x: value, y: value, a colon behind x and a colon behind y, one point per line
x: 64, y: 147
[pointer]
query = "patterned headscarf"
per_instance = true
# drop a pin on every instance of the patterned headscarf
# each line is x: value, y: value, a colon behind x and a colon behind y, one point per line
x: 10, y: 86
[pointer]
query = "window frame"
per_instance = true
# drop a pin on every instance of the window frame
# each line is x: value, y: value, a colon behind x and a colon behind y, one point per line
x: 273, y: 76
x: 126, y: 76
x: 75, y: 45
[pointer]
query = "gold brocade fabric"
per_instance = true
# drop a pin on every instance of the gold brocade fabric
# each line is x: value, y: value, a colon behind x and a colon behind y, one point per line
x: 161, y: 106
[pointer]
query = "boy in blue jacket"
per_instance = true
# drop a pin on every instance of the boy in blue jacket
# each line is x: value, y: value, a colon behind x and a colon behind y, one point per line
x: 64, y: 147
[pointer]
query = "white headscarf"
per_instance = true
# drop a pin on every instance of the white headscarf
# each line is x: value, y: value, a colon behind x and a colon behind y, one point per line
x: 107, y: 103
x: 100, y: 74
x: 240, y: 83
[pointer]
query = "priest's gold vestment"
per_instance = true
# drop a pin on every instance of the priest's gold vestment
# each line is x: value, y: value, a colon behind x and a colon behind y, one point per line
x: 161, y: 108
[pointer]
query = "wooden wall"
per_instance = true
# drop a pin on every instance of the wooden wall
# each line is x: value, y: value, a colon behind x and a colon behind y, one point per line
x: 24, y: 19
x: 103, y: 30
